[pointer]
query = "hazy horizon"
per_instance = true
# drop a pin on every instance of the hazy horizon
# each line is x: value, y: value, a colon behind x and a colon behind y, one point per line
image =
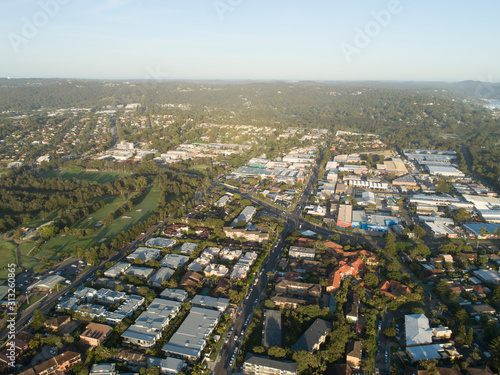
x: 392, y: 40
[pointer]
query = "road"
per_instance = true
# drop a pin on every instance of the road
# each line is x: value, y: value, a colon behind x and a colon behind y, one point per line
x: 247, y: 306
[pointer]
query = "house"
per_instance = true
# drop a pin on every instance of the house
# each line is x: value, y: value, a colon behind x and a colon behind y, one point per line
x: 58, y: 322
x: 352, y: 307
x: 448, y: 371
x: 163, y: 274
x: 257, y: 365
x: 144, y: 253
x: 190, y: 280
x: 393, y: 288
x: 134, y: 358
x: 315, y: 335
x: 95, y: 334
x: 343, y: 270
x: 354, y: 353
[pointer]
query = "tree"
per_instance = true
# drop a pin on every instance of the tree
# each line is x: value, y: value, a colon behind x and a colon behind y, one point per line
x: 390, y: 332
x: 470, y: 337
x: 390, y: 244
x: 418, y: 231
x: 308, y: 362
x: 371, y: 280
x: 276, y: 351
x: 38, y: 320
x: 442, y: 187
x: 494, y: 349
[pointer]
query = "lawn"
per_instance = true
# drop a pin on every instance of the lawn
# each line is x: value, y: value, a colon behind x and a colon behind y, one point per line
x: 139, y: 213
x: 112, y: 203
x: 101, y: 177
x: 199, y: 170
x: 8, y: 255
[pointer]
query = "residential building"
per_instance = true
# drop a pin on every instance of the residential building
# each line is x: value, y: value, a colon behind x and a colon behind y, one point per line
x: 116, y: 270
x: 301, y: 252
x: 210, y: 302
x: 174, y: 294
x: 58, y: 322
x: 174, y: 260
x: 432, y: 351
x: 343, y: 270
x: 354, y: 354
x: 95, y: 334
x: 257, y: 365
x: 60, y: 363
x: 249, y: 235
x: 272, y: 329
x: 163, y: 274
x: 393, y: 288
x: 167, y: 366
x: 143, y: 272
x: 246, y: 215
x: 190, y: 280
x: 190, y: 338
x: 293, y: 288
x: 103, y: 369
x: 315, y: 335
x: 144, y: 253
x: 161, y: 242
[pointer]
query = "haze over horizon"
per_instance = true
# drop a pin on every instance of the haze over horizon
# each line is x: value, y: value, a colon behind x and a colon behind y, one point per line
x: 395, y: 40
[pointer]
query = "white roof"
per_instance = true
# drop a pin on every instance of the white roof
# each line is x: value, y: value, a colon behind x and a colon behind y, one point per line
x: 417, y: 330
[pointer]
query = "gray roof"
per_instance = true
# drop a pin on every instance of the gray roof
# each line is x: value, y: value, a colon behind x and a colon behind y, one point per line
x: 312, y: 335
x: 272, y: 328
x: 271, y: 363
x: 161, y: 242
x: 190, y: 338
x: 163, y: 273
x: 117, y: 269
x: 167, y: 364
x: 49, y: 282
x: 175, y: 294
x: 139, y: 271
x: 216, y: 303
x: 145, y: 253
x: 174, y: 260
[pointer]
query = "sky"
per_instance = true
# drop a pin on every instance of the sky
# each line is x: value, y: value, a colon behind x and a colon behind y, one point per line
x: 402, y: 40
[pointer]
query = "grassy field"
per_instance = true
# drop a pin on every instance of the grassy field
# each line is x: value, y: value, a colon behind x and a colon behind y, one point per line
x: 8, y: 255
x: 199, y: 170
x: 101, y: 177
x: 112, y: 203
x: 139, y: 213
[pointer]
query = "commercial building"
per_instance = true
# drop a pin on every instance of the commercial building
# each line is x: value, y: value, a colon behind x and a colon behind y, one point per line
x: 488, y: 276
x: 443, y: 170
x: 257, y: 365
x: 47, y: 284
x: 344, y: 219
x: 190, y: 339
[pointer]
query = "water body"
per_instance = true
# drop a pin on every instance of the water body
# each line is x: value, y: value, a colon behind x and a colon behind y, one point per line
x: 493, y: 104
